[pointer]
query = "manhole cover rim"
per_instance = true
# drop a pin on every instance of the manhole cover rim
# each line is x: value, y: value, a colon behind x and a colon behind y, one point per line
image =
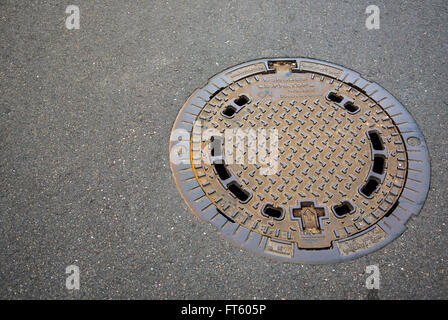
x: 412, y: 198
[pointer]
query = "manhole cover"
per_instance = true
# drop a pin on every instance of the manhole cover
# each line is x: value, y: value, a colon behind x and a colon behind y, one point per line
x: 300, y: 160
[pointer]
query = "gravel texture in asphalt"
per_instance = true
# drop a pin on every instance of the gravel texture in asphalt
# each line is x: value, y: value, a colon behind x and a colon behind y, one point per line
x: 85, y: 122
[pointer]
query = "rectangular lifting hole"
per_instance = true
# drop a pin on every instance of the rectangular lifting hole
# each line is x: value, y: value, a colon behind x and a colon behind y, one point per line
x: 238, y: 192
x: 216, y: 150
x: 272, y: 211
x: 242, y: 100
x: 370, y: 187
x: 222, y: 171
x: 378, y: 164
x: 341, y: 210
x: 375, y: 140
x: 229, y: 111
x: 350, y: 107
x: 216, y: 147
x: 335, y: 97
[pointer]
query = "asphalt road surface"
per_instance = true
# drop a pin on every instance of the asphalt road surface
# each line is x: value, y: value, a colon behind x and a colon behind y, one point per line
x: 85, y: 121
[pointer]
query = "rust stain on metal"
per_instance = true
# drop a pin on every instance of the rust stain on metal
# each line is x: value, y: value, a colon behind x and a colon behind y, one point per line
x: 279, y: 248
x: 325, y: 154
x: 244, y: 71
x: 362, y: 242
x: 320, y: 68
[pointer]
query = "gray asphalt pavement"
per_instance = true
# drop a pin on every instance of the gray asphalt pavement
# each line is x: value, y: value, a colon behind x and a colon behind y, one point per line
x: 85, y: 121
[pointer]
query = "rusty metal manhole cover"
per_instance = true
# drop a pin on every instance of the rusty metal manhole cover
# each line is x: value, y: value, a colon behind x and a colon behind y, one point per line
x: 300, y: 160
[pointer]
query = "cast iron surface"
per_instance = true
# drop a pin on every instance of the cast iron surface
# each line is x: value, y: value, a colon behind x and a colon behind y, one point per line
x: 352, y: 166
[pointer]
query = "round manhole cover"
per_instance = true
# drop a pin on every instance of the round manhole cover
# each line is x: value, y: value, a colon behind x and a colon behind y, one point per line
x: 300, y: 160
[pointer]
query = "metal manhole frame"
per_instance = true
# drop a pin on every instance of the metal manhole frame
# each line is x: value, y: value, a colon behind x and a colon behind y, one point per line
x: 413, y: 195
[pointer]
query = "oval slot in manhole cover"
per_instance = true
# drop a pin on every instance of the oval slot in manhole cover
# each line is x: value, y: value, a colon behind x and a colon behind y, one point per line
x: 300, y: 160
